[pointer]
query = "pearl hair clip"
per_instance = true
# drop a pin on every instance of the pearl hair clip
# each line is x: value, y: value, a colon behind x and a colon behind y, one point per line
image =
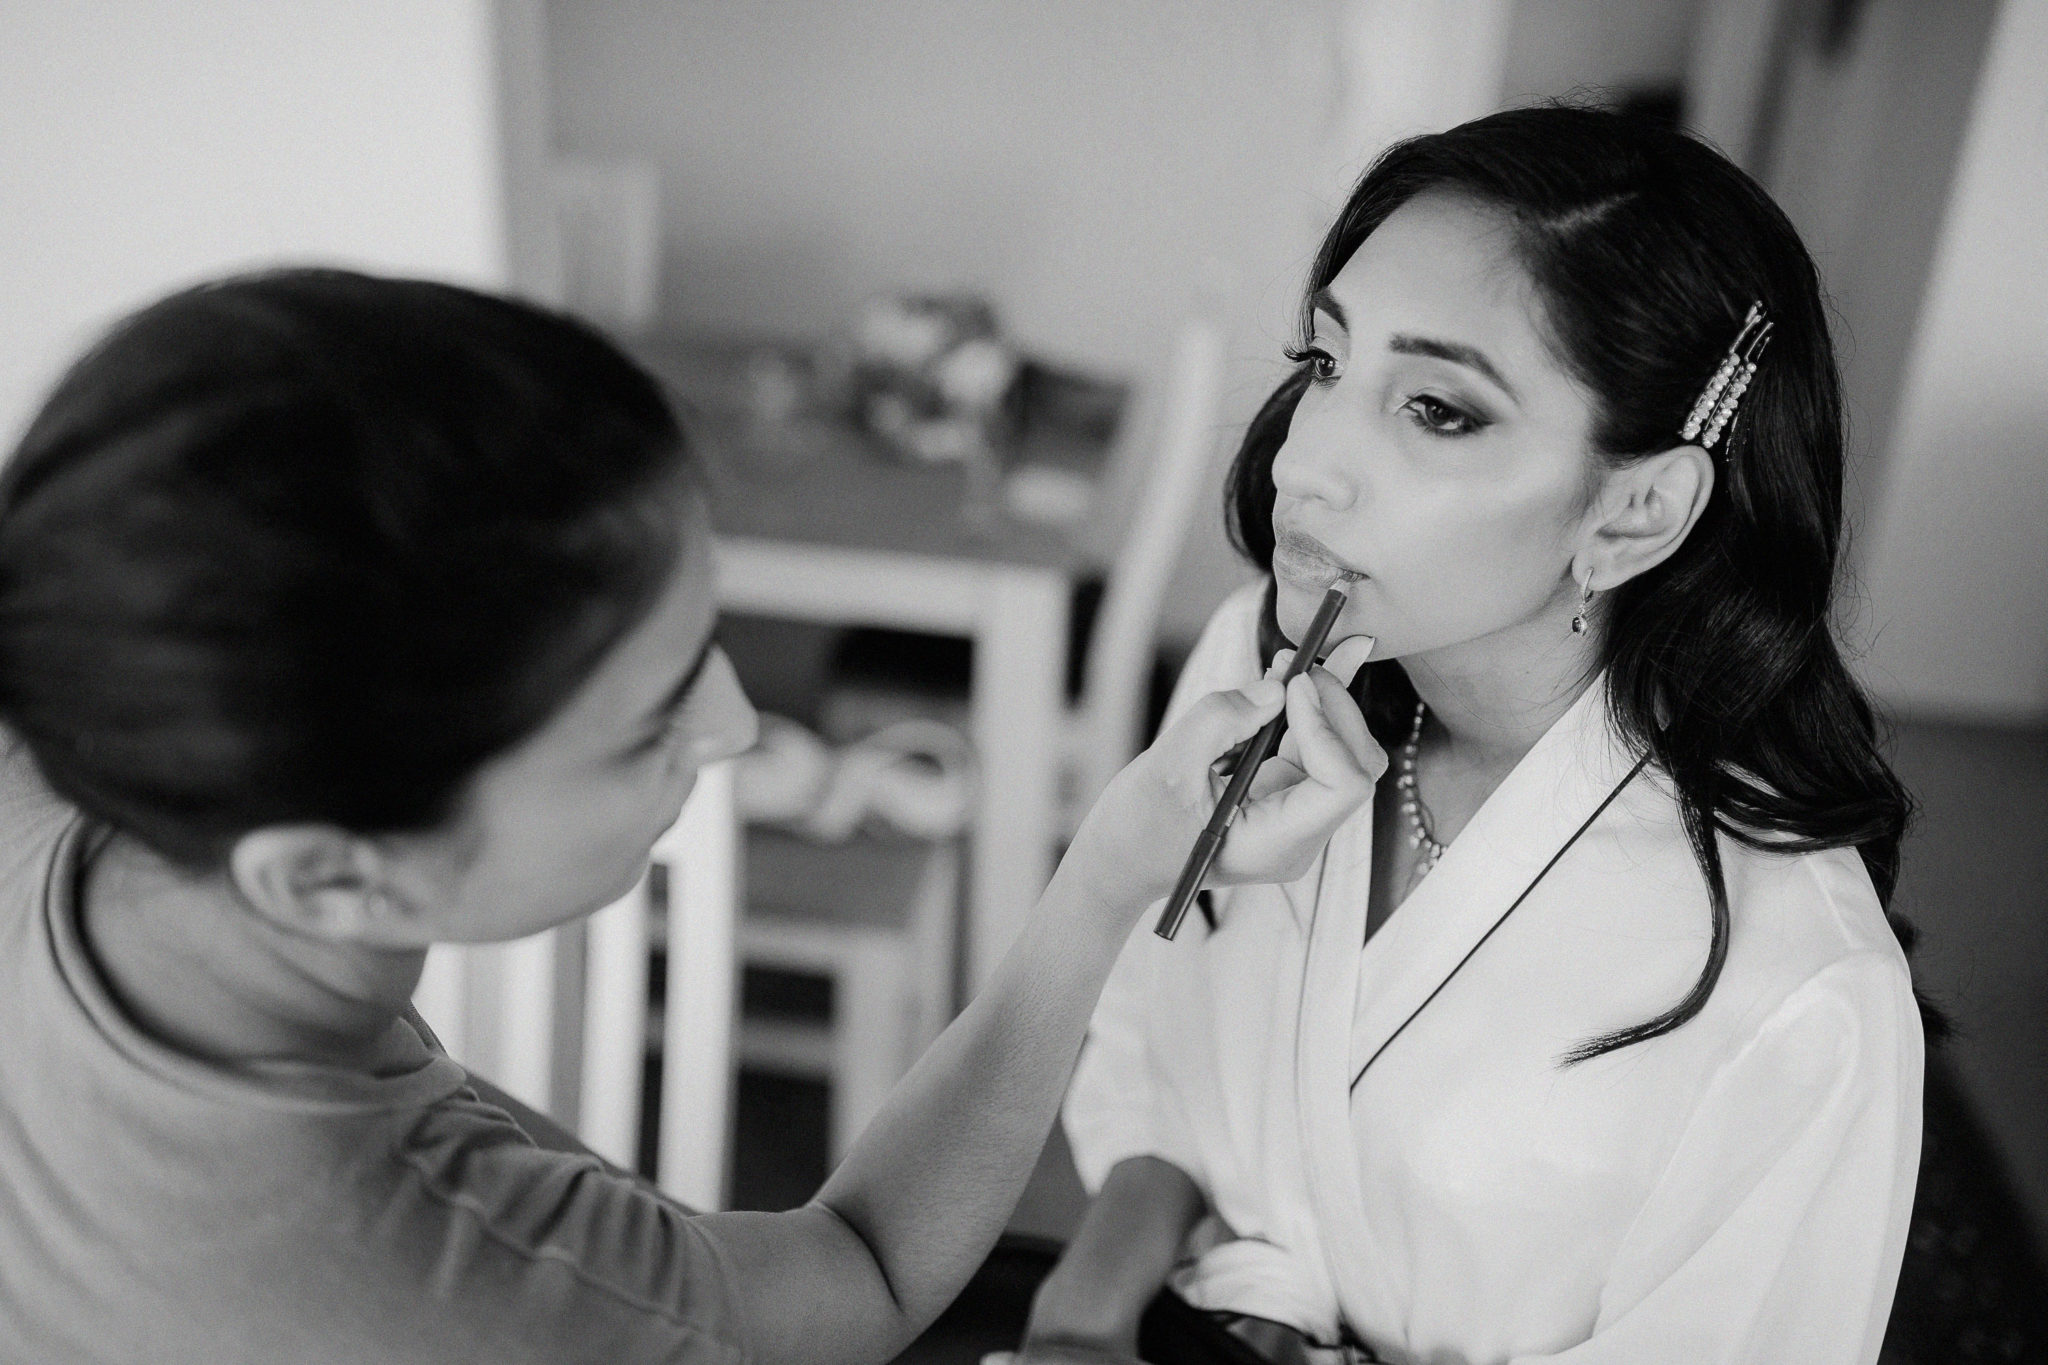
x: 1716, y: 408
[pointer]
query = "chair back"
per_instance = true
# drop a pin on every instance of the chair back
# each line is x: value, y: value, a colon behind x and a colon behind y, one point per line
x: 562, y: 1020
x: 1116, y: 681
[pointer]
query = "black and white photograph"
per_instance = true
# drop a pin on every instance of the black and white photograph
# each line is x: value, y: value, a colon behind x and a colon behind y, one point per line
x: 1024, y: 682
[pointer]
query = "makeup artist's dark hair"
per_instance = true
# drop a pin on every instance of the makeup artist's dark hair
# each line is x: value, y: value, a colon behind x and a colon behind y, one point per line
x: 1646, y: 248
x: 313, y: 545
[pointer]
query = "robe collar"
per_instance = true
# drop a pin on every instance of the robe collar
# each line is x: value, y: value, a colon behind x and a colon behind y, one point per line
x: 1536, y: 811
x: 1541, y: 805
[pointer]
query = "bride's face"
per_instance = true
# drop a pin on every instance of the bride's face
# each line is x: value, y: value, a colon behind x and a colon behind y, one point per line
x: 1442, y: 452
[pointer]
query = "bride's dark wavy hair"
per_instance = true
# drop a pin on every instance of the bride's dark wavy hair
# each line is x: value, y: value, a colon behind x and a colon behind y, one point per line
x: 1647, y: 247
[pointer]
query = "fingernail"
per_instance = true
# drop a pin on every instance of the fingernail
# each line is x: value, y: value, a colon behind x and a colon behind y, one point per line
x: 1350, y: 655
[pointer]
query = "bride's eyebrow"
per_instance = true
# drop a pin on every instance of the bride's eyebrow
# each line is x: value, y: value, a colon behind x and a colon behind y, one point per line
x: 1456, y: 352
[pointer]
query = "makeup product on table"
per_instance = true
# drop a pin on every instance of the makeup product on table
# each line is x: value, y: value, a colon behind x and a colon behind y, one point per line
x: 1256, y: 751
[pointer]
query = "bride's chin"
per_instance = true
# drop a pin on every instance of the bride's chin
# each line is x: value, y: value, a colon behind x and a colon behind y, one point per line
x: 1295, y: 606
x: 1294, y: 618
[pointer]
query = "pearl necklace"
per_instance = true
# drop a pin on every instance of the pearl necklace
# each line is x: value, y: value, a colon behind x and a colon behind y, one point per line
x: 1419, y: 836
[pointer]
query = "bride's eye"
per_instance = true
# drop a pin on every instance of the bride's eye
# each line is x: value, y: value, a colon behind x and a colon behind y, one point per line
x: 1439, y: 418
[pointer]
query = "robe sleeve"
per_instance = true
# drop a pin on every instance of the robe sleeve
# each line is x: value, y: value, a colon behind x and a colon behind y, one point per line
x: 1776, y: 1230
x: 1119, y: 1104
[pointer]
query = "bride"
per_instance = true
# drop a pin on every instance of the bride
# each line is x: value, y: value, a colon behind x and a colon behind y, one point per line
x: 1588, y: 1039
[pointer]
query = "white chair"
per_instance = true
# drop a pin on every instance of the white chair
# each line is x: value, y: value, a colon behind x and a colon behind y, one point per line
x: 878, y: 919
x: 607, y: 224
x: 893, y: 972
x: 561, y: 1019
x: 1105, y: 726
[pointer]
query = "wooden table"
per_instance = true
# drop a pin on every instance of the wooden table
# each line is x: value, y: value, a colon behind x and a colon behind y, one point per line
x: 817, y: 524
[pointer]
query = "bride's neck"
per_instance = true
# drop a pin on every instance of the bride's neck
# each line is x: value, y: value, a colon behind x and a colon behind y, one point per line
x: 1491, y: 699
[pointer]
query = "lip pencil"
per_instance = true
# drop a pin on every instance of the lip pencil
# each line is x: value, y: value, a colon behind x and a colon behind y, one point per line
x: 1256, y: 752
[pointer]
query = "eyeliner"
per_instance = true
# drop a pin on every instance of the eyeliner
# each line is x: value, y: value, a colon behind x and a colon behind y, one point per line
x: 1255, y: 753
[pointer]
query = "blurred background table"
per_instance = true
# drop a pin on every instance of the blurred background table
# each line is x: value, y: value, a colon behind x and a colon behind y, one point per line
x: 817, y: 522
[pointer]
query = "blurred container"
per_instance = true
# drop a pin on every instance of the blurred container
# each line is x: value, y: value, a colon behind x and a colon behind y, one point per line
x: 608, y: 217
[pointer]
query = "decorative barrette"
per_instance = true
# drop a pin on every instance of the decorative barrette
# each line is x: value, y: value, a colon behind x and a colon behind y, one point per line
x: 1716, y: 408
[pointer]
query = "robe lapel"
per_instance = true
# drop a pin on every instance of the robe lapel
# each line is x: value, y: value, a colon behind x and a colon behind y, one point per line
x: 1356, y: 995
x: 1532, y: 814
x: 1329, y: 991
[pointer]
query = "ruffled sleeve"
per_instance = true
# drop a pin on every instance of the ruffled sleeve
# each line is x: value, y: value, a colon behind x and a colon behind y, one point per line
x: 1118, y: 1105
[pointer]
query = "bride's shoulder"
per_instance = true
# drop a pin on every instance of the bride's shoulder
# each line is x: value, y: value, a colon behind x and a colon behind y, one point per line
x: 1232, y: 634
x: 1227, y: 652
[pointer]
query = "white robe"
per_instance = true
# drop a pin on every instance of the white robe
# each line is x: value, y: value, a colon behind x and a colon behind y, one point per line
x: 1737, y: 1190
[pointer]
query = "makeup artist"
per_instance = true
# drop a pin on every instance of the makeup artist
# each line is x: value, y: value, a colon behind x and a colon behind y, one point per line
x: 340, y: 616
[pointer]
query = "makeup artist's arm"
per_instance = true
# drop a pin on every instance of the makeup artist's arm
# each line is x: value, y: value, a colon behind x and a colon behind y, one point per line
x: 915, y: 1207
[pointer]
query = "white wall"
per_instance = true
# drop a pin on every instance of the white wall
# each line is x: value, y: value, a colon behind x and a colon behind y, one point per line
x: 1092, y: 167
x: 1862, y: 159
x: 1957, y: 558
x: 1070, y: 157
x: 1558, y: 46
x: 152, y: 142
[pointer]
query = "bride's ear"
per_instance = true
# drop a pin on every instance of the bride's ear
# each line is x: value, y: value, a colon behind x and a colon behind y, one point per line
x: 1643, y: 513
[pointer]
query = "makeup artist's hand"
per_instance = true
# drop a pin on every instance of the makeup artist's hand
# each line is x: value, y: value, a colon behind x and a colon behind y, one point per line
x: 1284, y: 768
x: 1138, y: 834
x: 1311, y: 784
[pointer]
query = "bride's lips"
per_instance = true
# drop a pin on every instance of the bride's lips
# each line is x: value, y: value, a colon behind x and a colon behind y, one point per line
x: 1300, y: 558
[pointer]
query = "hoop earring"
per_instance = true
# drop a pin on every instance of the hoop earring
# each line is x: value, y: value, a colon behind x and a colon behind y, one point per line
x: 1585, y: 600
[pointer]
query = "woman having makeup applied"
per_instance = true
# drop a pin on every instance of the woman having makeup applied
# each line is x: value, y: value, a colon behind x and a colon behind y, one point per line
x: 340, y: 616
x: 1588, y: 1040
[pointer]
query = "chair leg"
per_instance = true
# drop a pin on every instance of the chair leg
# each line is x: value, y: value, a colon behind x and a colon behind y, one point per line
x: 442, y: 997
x: 933, y: 948
x: 615, y: 1028
x: 702, y: 855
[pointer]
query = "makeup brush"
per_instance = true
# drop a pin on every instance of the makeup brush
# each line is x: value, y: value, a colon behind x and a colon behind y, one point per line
x: 1256, y: 752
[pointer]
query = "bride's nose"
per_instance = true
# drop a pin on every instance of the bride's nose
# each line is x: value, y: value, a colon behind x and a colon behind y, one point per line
x: 1312, y: 464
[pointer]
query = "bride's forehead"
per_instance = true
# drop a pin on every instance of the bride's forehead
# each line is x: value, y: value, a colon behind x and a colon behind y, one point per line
x: 1443, y: 266
x: 1437, y: 248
